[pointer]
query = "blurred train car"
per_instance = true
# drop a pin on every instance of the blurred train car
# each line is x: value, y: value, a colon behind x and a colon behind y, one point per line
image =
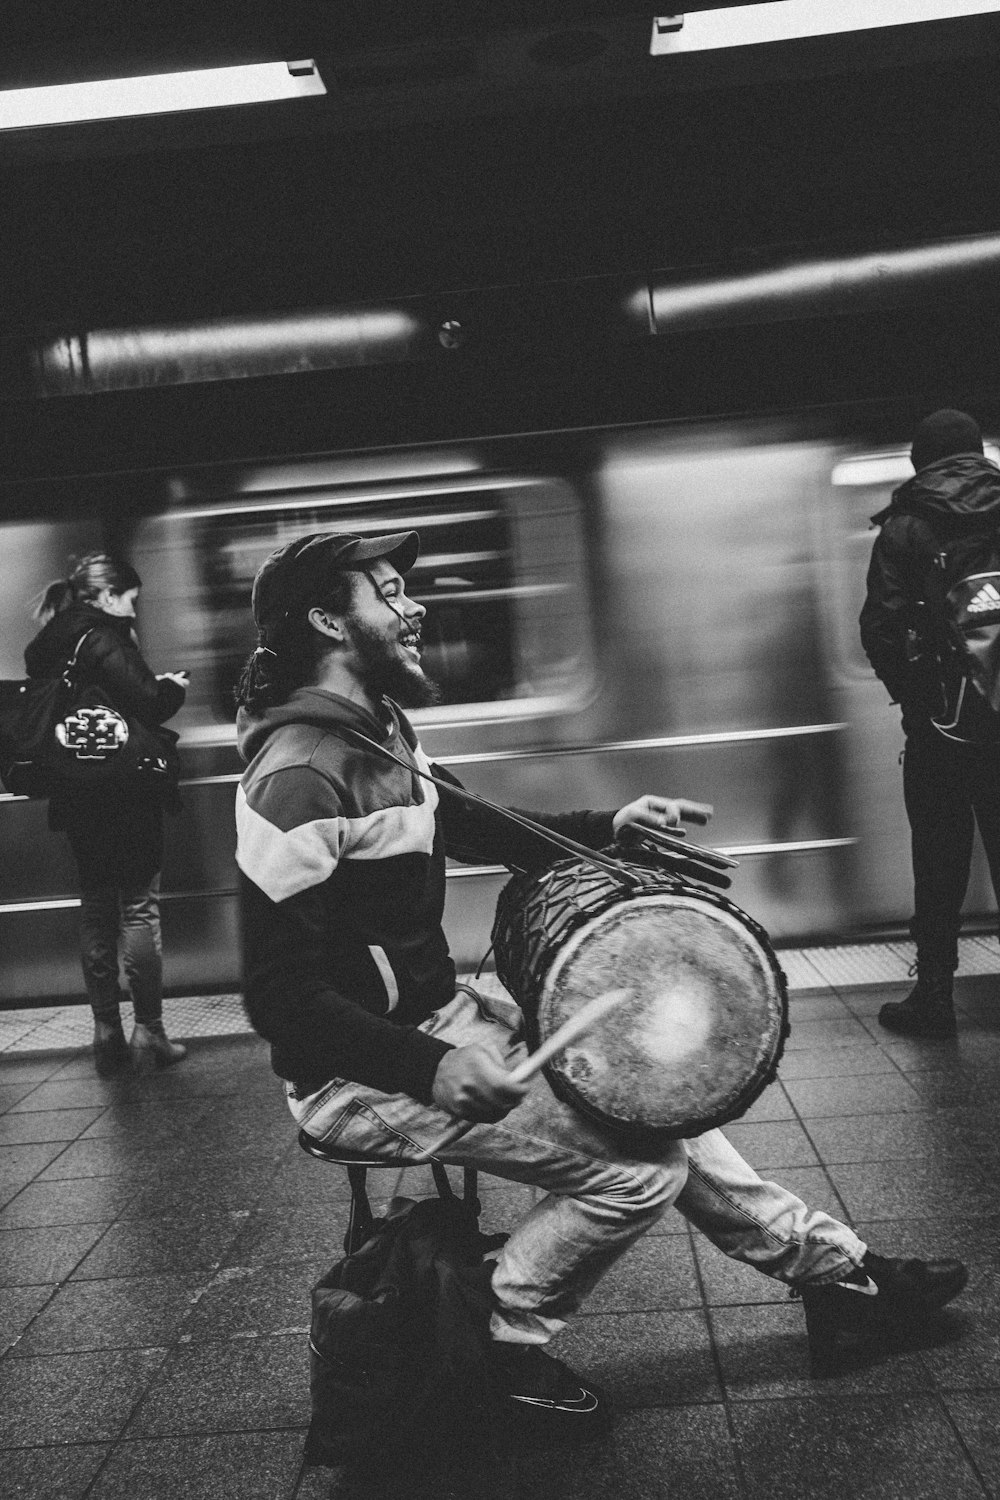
x: 669, y: 608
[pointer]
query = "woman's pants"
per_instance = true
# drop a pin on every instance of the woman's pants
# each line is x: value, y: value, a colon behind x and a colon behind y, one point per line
x: 110, y: 914
x: 599, y: 1199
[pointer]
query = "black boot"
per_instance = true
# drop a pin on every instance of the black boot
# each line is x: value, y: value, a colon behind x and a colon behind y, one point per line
x: 847, y: 1322
x: 110, y: 1050
x: 928, y: 1009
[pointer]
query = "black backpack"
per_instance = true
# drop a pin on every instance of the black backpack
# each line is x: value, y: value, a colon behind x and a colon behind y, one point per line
x: 399, y: 1343
x: 962, y: 601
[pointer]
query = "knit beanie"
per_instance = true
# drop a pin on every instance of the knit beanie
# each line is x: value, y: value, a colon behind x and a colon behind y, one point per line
x: 942, y: 434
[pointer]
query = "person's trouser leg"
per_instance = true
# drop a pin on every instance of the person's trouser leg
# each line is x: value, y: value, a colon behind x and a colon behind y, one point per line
x: 600, y: 1198
x: 142, y: 949
x: 761, y: 1223
x: 984, y: 775
x: 939, y: 808
x: 99, y: 950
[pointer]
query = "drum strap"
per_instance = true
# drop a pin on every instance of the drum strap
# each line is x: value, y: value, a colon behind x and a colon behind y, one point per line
x: 601, y: 861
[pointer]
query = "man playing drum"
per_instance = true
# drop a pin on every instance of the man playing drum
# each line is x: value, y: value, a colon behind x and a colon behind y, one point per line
x: 348, y: 976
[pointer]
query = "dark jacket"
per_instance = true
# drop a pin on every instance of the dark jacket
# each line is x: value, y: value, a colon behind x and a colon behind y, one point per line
x: 953, y: 497
x: 109, y: 657
x: 342, y: 881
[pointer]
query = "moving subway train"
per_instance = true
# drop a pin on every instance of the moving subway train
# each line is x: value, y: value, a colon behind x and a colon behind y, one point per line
x: 668, y: 607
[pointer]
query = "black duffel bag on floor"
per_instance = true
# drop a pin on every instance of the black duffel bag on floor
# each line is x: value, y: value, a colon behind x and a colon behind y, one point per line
x: 399, y: 1343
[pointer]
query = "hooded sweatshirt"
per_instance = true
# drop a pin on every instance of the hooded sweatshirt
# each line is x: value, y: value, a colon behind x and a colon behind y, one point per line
x: 955, y: 497
x: 342, y: 884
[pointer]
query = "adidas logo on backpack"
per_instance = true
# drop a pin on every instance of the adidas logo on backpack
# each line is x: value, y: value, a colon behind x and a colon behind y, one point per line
x: 988, y: 598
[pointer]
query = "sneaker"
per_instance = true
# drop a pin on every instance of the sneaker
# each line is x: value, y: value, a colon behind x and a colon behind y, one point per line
x: 150, y: 1048
x: 928, y: 1010
x: 851, y: 1319
x: 542, y: 1393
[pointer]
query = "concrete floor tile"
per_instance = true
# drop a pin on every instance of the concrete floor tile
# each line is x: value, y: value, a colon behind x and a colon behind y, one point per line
x: 31, y: 1257
x: 108, y: 1158
x: 835, y: 1062
x: 62, y: 1473
x: 41, y: 1125
x: 764, y: 1355
x: 682, y: 1451
x: 136, y: 1247
x: 31, y: 1068
x: 877, y: 1449
x: 234, y: 1386
x: 18, y: 1305
x: 772, y: 1143
x: 845, y: 1031
x: 12, y: 1093
x: 975, y: 1416
x: 72, y: 1398
x: 146, y: 1120
x: 730, y: 1283
x: 975, y: 1241
x: 880, y: 1094
x: 657, y: 1273
x: 825, y: 1006
x: 127, y: 1313
x: 773, y: 1104
x: 644, y: 1359
x: 74, y: 1093
x: 245, y: 1301
x: 927, y: 1188
x: 246, y: 1466
x: 19, y: 1165
x: 884, y: 1138
x: 88, y: 1200
x: 278, y: 1235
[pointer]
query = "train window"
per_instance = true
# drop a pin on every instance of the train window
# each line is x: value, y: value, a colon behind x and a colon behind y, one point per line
x: 863, y: 485
x: 501, y: 574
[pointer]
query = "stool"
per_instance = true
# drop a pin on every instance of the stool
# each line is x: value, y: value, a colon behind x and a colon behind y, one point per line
x: 361, y: 1220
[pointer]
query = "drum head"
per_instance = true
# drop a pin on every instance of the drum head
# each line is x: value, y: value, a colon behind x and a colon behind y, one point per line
x: 701, y: 1033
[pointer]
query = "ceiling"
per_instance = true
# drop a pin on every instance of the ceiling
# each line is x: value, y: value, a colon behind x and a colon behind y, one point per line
x: 461, y: 145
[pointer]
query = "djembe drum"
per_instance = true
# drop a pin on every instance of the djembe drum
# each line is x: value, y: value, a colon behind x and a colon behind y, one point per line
x: 701, y: 1033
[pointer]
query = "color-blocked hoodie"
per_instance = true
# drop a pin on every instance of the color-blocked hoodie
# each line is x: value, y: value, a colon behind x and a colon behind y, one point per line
x: 342, y: 883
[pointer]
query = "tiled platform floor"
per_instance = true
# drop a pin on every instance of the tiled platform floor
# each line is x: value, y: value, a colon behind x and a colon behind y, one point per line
x: 158, y: 1239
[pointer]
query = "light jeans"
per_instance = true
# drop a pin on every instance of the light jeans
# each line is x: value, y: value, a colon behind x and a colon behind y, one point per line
x: 110, y: 914
x: 599, y: 1198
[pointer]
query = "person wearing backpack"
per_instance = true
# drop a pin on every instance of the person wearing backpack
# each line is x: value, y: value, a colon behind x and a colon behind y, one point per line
x: 932, y: 592
x: 114, y: 831
x: 347, y: 974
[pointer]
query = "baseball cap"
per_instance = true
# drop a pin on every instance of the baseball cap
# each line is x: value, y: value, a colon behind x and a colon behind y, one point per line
x: 300, y: 568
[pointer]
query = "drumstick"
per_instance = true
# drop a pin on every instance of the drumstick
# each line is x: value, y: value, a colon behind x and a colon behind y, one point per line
x: 587, y: 1016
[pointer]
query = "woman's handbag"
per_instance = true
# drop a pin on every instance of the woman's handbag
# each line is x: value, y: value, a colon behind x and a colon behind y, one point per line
x: 55, y: 736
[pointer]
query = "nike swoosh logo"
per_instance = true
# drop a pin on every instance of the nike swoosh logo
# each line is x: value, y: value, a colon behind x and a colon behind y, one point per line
x: 868, y: 1290
x: 585, y: 1402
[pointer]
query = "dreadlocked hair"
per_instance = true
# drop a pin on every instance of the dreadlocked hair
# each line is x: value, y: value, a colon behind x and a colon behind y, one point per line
x: 88, y: 577
x: 289, y: 652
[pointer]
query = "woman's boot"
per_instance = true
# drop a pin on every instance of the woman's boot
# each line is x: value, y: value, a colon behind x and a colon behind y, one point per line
x: 110, y: 1051
x: 150, y: 1048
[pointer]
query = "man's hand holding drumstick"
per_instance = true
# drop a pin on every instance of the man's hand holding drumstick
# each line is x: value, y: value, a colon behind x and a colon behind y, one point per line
x: 651, y: 811
x: 494, y: 1085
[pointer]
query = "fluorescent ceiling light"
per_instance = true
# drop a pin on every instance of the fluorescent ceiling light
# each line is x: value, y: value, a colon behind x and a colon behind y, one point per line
x: 158, y: 93
x: 785, y: 20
